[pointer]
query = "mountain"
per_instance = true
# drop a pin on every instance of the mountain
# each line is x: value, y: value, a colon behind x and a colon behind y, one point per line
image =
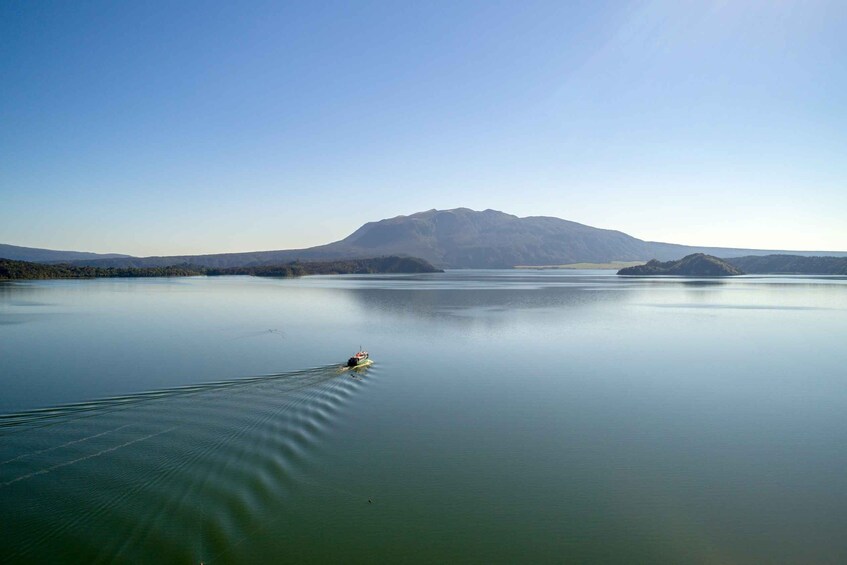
x: 694, y: 265
x: 34, y: 254
x: 461, y: 238
x: 790, y: 265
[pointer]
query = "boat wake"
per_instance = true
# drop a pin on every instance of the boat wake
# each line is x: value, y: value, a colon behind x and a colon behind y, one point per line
x: 67, y: 412
x: 204, y: 463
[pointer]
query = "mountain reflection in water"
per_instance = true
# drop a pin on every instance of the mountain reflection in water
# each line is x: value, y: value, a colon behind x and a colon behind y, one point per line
x: 510, y: 416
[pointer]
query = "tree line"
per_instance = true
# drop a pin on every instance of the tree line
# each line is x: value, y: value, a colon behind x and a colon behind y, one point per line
x: 25, y: 270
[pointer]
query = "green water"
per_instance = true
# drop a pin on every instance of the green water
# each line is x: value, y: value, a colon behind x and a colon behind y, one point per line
x: 509, y: 416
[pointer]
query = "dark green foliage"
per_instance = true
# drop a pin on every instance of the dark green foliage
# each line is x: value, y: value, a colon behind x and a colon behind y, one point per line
x: 354, y: 266
x: 695, y: 265
x: 23, y: 270
x: 790, y: 265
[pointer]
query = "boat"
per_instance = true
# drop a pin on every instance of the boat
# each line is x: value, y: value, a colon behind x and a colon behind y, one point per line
x: 361, y: 358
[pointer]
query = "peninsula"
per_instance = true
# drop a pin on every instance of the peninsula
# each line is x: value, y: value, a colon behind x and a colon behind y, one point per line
x: 694, y: 265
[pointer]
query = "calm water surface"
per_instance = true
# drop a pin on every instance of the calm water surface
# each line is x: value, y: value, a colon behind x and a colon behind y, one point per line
x: 510, y: 416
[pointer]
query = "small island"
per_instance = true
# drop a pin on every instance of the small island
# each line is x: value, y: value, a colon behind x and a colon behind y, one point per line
x: 25, y: 270
x: 694, y: 265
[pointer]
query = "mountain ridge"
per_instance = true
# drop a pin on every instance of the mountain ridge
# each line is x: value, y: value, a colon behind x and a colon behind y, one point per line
x: 462, y: 238
x: 37, y: 254
x: 790, y: 265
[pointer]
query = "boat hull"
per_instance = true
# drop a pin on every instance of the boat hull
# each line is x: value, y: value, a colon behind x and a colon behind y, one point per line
x: 363, y: 364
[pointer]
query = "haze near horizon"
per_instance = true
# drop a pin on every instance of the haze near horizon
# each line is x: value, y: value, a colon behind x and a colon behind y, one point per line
x: 165, y: 129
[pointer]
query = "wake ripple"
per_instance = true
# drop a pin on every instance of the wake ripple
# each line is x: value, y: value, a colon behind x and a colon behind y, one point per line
x: 183, y: 473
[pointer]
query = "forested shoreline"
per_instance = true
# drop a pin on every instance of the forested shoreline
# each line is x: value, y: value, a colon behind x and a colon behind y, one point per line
x: 25, y: 270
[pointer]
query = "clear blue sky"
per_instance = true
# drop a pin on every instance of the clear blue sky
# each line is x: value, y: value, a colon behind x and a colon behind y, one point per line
x: 181, y: 127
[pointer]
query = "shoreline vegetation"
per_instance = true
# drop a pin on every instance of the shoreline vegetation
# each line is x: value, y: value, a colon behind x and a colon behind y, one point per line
x: 697, y: 264
x: 25, y: 270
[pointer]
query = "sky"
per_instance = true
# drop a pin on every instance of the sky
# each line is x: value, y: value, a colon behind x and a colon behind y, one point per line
x: 158, y: 128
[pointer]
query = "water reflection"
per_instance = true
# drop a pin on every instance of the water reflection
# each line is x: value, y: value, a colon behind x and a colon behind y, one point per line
x: 510, y: 416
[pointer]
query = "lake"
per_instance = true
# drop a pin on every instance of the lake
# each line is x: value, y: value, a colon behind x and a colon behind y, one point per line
x: 509, y: 416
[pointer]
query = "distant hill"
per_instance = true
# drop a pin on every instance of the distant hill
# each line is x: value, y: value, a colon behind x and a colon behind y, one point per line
x: 17, y: 253
x: 463, y: 238
x: 460, y: 239
x: 790, y: 265
x: 25, y: 270
x: 694, y: 265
